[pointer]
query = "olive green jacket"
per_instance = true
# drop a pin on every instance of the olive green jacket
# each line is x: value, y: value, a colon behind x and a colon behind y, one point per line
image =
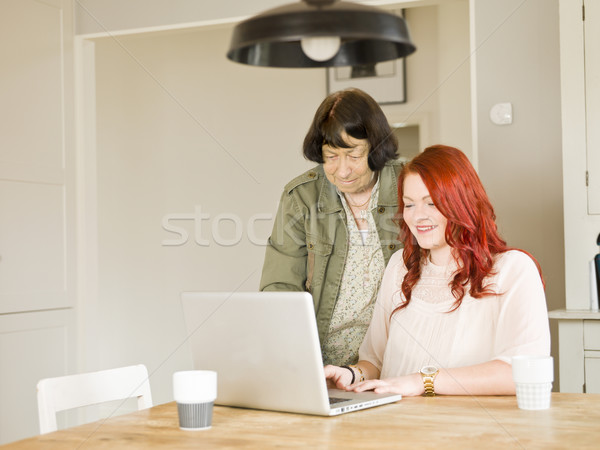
x: 309, y: 243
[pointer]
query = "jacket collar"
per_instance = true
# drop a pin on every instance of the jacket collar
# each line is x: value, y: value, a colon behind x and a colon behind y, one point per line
x: 329, y: 200
x: 389, y: 177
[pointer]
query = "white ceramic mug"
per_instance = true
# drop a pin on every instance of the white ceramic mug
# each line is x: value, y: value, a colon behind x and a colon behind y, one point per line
x: 533, y: 377
x: 195, y: 392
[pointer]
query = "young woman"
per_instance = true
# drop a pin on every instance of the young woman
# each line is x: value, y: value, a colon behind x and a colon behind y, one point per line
x: 457, y: 303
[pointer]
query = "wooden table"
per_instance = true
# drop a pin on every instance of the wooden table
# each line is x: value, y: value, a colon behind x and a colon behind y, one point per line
x: 573, y: 421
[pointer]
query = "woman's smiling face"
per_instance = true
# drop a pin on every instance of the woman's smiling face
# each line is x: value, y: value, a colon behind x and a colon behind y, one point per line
x: 425, y: 221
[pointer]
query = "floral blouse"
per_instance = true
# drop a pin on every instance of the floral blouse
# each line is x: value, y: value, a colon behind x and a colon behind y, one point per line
x: 358, y: 291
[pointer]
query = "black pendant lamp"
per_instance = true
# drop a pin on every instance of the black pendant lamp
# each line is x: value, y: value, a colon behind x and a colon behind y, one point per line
x: 320, y: 33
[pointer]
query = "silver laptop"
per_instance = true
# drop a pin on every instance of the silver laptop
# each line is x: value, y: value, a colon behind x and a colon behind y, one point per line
x: 265, y: 349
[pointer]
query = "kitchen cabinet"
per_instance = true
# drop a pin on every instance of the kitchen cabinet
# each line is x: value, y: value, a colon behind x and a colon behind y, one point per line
x: 37, y: 212
x: 591, y: 26
x: 579, y: 350
x: 591, y: 351
x: 579, y: 346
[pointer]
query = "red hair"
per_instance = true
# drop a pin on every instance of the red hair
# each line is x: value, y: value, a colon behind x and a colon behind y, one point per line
x: 471, y: 231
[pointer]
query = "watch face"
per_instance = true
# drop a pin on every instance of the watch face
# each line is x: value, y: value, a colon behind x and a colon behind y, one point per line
x: 429, y: 370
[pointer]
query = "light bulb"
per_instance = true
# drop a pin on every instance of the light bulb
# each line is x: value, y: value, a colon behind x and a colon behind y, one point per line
x: 321, y: 48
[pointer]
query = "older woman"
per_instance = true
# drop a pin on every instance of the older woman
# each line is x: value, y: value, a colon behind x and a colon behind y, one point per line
x: 334, y: 231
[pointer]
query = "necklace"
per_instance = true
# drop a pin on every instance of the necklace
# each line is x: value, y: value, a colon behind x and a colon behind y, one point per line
x: 362, y: 212
x: 357, y: 206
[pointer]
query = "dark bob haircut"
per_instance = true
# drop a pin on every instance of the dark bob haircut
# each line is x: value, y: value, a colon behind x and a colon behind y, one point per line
x: 359, y: 115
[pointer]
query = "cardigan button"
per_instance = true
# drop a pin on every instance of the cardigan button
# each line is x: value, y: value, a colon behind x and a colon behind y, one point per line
x: 381, y: 210
x: 311, y: 174
x: 392, y: 246
x: 311, y: 245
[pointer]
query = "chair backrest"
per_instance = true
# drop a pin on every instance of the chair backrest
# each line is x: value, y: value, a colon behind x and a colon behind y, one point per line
x: 75, y: 391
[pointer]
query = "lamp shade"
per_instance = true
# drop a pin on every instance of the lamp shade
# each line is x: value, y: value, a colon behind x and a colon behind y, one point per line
x: 367, y: 35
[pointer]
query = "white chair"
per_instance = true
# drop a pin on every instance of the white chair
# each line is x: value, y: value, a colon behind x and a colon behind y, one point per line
x: 75, y: 391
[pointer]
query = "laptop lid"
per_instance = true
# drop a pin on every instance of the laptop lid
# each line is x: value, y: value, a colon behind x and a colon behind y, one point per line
x: 265, y: 349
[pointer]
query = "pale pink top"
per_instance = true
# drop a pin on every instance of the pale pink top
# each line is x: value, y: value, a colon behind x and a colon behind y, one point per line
x: 480, y: 330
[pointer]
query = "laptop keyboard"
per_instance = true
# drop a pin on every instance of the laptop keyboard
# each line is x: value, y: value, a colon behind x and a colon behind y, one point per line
x: 334, y: 400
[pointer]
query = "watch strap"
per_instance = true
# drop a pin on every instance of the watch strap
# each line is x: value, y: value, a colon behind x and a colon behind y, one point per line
x: 428, y: 373
x: 428, y: 382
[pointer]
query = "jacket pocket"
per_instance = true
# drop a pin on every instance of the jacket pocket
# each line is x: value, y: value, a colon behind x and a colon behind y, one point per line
x: 317, y: 258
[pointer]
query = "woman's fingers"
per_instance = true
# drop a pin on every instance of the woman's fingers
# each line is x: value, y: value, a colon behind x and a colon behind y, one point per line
x: 337, y: 377
x: 367, y: 385
x: 390, y: 386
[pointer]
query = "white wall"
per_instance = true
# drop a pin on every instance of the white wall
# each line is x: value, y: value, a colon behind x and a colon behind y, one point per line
x: 180, y: 127
x: 521, y: 164
x: 454, y: 76
x: 438, y: 76
x: 119, y: 16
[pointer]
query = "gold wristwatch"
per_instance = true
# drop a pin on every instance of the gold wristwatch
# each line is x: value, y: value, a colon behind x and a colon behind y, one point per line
x: 428, y: 373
